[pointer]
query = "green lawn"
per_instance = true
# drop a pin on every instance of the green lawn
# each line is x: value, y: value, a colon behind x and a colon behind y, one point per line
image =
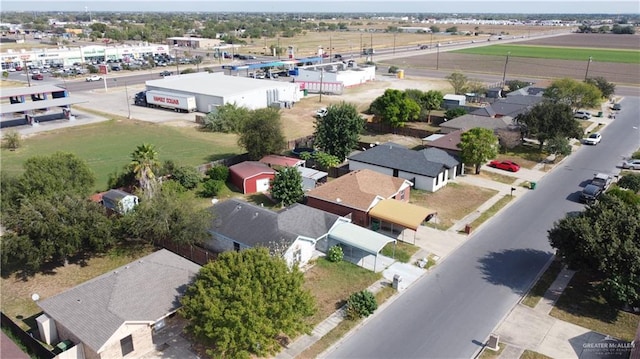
x: 559, y: 53
x: 106, y: 146
x: 581, y: 304
x: 401, y: 251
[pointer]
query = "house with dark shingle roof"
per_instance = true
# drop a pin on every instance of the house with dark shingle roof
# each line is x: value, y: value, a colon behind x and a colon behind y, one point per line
x: 356, y: 193
x: 467, y: 122
x: 293, y: 231
x: 429, y: 169
x: 114, y: 315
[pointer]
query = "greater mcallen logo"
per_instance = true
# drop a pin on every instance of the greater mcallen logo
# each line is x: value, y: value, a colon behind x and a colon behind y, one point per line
x: 610, y: 344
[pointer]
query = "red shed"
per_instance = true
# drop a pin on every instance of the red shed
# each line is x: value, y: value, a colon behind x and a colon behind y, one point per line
x: 251, y: 176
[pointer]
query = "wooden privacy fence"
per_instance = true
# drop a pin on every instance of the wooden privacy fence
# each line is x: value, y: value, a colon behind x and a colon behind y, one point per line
x: 192, y: 252
x: 403, y: 131
x: 25, y: 338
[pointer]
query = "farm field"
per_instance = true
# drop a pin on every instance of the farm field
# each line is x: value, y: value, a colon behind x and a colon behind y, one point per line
x: 524, y: 67
x: 106, y: 146
x: 561, y: 53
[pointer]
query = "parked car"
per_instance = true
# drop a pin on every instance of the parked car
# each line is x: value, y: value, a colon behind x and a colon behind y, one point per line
x: 592, y: 139
x: 602, y: 180
x: 18, y: 68
x: 424, y: 47
x: 260, y: 75
x: 165, y: 73
x: 37, y: 77
x: 616, y: 107
x: 93, y: 78
x: 321, y: 112
x: 505, y: 165
x: 632, y: 164
x: 583, y: 115
x: 590, y: 193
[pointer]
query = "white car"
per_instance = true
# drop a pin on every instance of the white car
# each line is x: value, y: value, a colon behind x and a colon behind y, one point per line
x: 94, y: 78
x: 583, y: 115
x: 593, y: 139
x: 321, y: 112
x: 632, y: 164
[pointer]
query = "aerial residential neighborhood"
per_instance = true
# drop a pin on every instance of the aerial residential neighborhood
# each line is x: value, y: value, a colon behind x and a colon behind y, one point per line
x: 295, y: 183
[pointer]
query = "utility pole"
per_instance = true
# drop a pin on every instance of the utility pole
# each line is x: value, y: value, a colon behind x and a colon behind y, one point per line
x: 126, y: 92
x: 26, y: 70
x: 394, y: 43
x: 176, y: 59
x: 278, y: 48
x: 321, y: 78
x: 372, y: 47
x: 330, y: 49
x: 361, y: 48
x: 438, y: 56
x: 504, y: 73
x: 586, y: 74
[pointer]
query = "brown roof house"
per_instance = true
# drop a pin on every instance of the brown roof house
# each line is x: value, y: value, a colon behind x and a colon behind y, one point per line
x: 115, y: 314
x: 356, y: 193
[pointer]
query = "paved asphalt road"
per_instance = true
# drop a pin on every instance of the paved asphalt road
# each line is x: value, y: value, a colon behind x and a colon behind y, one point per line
x: 452, y: 310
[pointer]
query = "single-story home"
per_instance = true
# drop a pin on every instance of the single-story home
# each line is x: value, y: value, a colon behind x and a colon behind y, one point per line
x: 429, y: 169
x: 292, y: 232
x: 446, y: 142
x: 467, y: 122
x: 277, y: 161
x: 251, y: 176
x: 115, y: 314
x: 119, y: 201
x: 354, y: 194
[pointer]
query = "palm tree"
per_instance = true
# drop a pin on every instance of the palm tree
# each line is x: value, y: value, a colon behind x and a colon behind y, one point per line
x: 144, y: 161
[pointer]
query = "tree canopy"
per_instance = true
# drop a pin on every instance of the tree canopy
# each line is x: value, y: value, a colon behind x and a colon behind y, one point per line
x: 428, y: 101
x: 261, y: 133
x: 604, y: 238
x: 606, y: 88
x: 459, y: 82
x: 59, y: 173
x: 286, y: 187
x: 396, y: 108
x: 547, y: 120
x: 227, y: 118
x: 478, y: 145
x: 338, y: 132
x: 573, y: 93
x: 144, y: 164
x: 240, y: 303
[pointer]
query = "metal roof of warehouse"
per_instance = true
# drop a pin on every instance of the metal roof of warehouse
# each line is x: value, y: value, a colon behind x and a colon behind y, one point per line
x: 214, y: 84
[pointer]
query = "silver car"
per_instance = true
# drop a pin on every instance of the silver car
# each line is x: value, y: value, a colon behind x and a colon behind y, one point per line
x: 632, y: 164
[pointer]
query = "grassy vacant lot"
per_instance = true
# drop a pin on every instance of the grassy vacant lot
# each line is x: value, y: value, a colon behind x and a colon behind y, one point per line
x: 17, y: 290
x: 106, y: 146
x: 453, y: 202
x: 332, y: 284
x: 559, y: 53
x: 537, y: 291
x: 581, y: 304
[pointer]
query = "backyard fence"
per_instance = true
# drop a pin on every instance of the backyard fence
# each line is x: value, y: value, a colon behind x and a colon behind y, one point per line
x: 192, y: 252
x: 33, y: 345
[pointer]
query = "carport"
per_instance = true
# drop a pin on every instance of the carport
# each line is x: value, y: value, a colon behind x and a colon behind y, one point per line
x: 359, y: 238
x: 400, y: 214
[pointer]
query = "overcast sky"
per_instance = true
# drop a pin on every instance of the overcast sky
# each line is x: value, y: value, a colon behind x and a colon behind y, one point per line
x: 325, y: 6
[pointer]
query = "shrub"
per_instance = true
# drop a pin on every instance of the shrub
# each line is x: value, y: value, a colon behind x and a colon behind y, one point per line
x: 187, y: 176
x: 393, y: 69
x: 218, y: 173
x: 187, y: 71
x: 630, y: 181
x: 335, y: 254
x: 361, y: 304
x: 12, y: 140
x: 636, y: 154
x: 211, y: 188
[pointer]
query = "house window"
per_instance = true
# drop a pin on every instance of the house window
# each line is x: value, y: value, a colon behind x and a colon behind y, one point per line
x: 126, y: 344
x: 297, y: 256
x: 236, y: 246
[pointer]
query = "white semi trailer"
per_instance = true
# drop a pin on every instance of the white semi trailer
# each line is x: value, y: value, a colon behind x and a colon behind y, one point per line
x: 176, y: 102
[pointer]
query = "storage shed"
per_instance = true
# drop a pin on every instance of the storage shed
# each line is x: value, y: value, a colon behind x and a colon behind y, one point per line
x: 251, y: 176
x: 119, y: 201
x: 215, y: 89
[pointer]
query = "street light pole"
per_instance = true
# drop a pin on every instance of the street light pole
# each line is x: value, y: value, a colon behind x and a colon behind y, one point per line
x: 372, y: 47
x: 361, y: 48
x: 126, y: 92
x: 321, y: 78
x: 438, y: 56
x: 394, y: 43
x: 176, y: 59
x: 586, y: 74
x: 504, y: 73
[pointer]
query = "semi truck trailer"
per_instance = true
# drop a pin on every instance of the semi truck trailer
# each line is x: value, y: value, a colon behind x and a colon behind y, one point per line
x: 158, y: 99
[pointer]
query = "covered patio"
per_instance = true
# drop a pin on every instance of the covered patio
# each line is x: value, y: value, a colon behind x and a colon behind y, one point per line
x: 396, y: 216
x: 361, y: 246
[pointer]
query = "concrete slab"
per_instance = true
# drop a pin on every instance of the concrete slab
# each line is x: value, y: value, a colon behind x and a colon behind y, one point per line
x: 440, y: 243
x: 525, y: 327
x: 564, y: 340
x: 408, y: 272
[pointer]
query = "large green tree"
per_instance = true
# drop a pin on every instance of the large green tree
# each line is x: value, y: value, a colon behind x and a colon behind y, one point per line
x: 61, y: 172
x: 338, y: 132
x: 478, y: 145
x: 51, y: 230
x: 286, y: 187
x: 606, y: 88
x: 241, y: 303
x: 604, y: 238
x: 173, y: 214
x: 428, y: 101
x: 227, y: 118
x: 396, y: 108
x: 144, y: 164
x: 575, y: 94
x: 261, y: 133
x: 547, y: 120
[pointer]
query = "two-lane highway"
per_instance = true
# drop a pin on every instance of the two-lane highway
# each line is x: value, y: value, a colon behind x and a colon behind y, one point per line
x: 452, y: 310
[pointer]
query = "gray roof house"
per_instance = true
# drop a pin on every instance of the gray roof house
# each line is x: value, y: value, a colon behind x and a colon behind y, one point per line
x: 293, y: 231
x: 467, y: 122
x: 429, y: 169
x: 113, y: 315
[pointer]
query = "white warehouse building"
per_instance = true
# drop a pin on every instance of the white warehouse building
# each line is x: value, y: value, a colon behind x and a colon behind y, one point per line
x: 337, y: 73
x: 215, y: 89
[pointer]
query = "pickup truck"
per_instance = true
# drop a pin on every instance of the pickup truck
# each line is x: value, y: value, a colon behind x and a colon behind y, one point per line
x: 602, y: 180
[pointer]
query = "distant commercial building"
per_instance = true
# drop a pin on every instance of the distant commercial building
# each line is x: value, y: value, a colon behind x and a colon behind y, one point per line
x: 193, y: 42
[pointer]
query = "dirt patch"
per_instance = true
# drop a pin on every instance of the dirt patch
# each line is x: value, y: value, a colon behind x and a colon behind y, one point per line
x: 598, y: 41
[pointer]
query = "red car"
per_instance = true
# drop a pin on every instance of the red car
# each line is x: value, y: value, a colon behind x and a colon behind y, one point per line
x: 505, y: 165
x: 37, y: 77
